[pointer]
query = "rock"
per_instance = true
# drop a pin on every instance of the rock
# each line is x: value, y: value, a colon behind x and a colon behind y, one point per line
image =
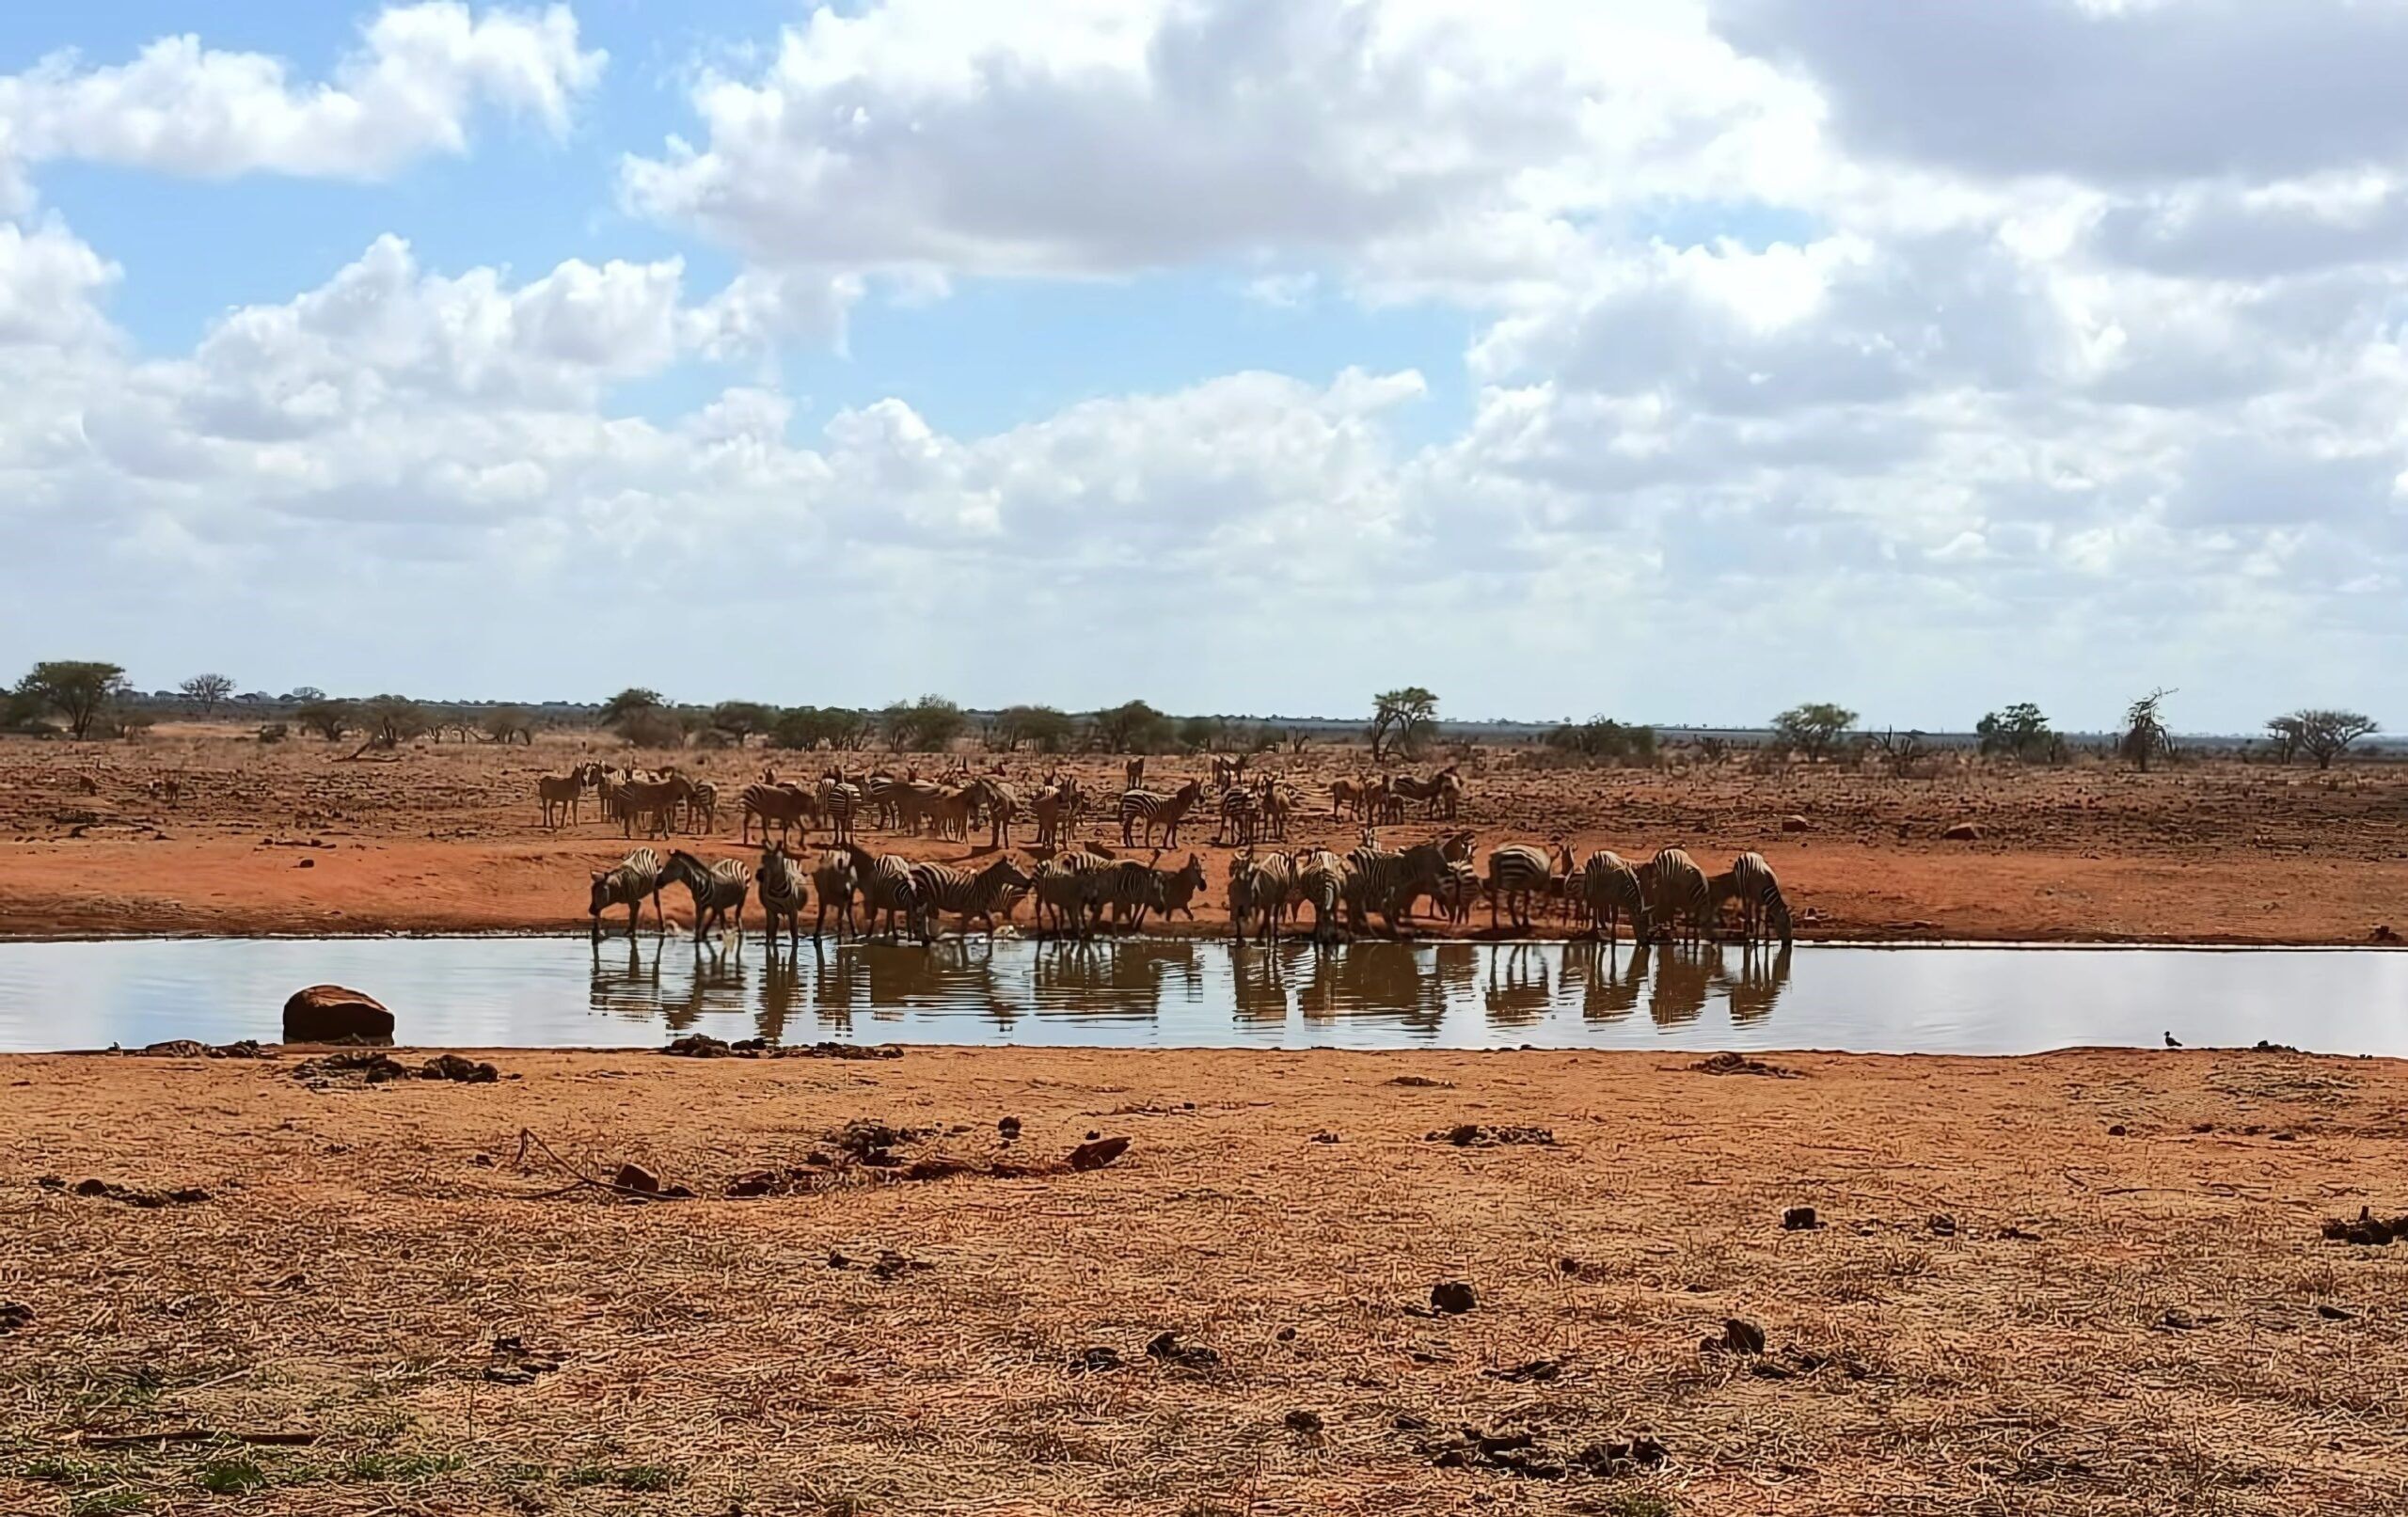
x: 2367, y: 1229
x: 2382, y: 933
x: 1088, y: 1156
x: 453, y: 1067
x: 1454, y: 1297
x: 14, y: 1317
x: 511, y: 1363
x: 893, y: 1265
x: 755, y: 1182
x: 1537, y: 1372
x: 1324, y: 1137
x: 1008, y: 1128
x: 1616, y: 1457
x: 330, y: 1012
x: 1303, y: 1421
x: 1737, y: 1064
x: 304, y: 863
x: 368, y: 1068
x: 1792, y: 824
x: 1420, y: 1083
x: 174, y: 1048
x: 2324, y: 1309
x: 1800, y: 1219
x: 1473, y: 1135
x: 698, y: 1045
x: 1943, y: 1225
x: 1166, y: 1348
x: 632, y: 1177
x: 1962, y: 832
x: 1099, y: 1360
x: 2117, y: 1130
x: 1740, y: 1335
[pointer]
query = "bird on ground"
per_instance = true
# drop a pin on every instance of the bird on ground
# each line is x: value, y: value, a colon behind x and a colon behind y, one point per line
x: 2173, y: 1042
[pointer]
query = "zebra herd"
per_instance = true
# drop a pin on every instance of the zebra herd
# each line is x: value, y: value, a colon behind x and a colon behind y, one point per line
x: 1668, y: 899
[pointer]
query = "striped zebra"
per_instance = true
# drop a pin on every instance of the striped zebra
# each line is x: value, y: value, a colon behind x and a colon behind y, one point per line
x: 1374, y: 882
x: 627, y: 884
x: 839, y: 797
x: 719, y: 891
x: 1321, y: 876
x: 1346, y: 797
x: 886, y: 885
x: 778, y: 880
x: 1001, y: 803
x: 1061, y: 889
x: 1241, y: 817
x: 1275, y: 810
x: 1678, y: 898
x: 1156, y: 811
x: 1126, y: 887
x: 1180, y: 887
x: 654, y: 801
x: 1134, y: 774
x: 559, y: 794
x: 831, y: 881
x: 1449, y: 802
x: 701, y: 807
x: 1516, y: 873
x: 945, y: 887
x: 1458, y: 888
x: 1763, y: 911
x: 1259, y: 886
x: 1608, y: 891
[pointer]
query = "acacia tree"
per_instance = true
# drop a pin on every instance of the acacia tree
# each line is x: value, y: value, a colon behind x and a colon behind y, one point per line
x: 391, y: 721
x: 1813, y: 729
x: 1405, y: 719
x: 2144, y: 735
x: 1040, y: 727
x: 509, y: 724
x: 2320, y: 735
x: 206, y: 691
x: 328, y: 719
x: 1132, y: 727
x: 2019, y: 730
x: 927, y: 725
x: 626, y: 703
x: 740, y: 719
x: 76, y: 689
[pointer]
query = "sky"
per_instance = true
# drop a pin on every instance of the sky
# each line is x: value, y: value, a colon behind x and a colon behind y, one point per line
x: 1676, y: 360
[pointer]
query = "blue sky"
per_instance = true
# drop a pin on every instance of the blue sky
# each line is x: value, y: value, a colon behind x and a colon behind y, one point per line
x: 1674, y: 361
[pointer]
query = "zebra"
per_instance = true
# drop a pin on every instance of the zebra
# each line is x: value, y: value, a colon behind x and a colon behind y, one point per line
x: 1449, y: 801
x: 1227, y: 771
x: 779, y: 879
x: 1405, y: 787
x: 1275, y: 810
x: 1050, y: 807
x: 557, y: 794
x: 702, y: 801
x: 1241, y: 817
x: 1346, y: 797
x: 1677, y: 895
x: 1261, y: 887
x: 1180, y: 887
x: 1763, y: 911
x: 1320, y: 875
x: 635, y: 876
x: 719, y: 891
x: 832, y: 883
x: 945, y: 887
x: 1002, y: 804
x: 1065, y: 886
x: 1156, y: 810
x: 1458, y: 887
x: 1129, y: 887
x: 838, y: 799
x: 656, y: 801
x: 1518, y: 872
x: 886, y: 885
x: 1135, y: 773
x: 1608, y: 891
x: 789, y: 806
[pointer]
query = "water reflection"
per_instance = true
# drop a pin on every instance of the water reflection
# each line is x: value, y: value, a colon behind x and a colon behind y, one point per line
x: 535, y: 991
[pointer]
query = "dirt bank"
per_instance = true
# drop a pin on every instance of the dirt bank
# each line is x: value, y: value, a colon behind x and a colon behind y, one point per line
x: 2084, y: 1283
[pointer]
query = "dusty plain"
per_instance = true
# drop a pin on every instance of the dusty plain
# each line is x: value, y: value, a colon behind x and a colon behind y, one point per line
x: 446, y: 838
x: 2090, y: 1282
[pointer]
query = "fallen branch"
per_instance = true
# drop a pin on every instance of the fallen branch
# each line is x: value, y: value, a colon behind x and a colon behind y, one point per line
x: 579, y: 1180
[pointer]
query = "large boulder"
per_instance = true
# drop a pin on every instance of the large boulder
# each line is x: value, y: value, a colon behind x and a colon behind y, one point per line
x: 332, y: 1014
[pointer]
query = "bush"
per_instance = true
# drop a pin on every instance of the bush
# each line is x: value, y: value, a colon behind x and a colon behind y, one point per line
x: 1813, y: 729
x: 329, y: 719
x: 1133, y: 727
x: 1602, y: 740
x: 927, y: 725
x: 1039, y: 727
x: 650, y: 727
x: 808, y: 727
x: 273, y: 732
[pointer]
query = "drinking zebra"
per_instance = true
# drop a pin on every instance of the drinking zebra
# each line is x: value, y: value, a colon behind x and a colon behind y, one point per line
x: 944, y: 888
x: 1763, y: 911
x: 1678, y: 899
x: 886, y: 885
x: 832, y: 881
x: 1608, y: 890
x: 627, y: 884
x: 1320, y: 875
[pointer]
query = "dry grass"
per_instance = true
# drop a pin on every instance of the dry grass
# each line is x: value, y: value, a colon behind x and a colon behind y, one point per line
x: 2154, y: 1345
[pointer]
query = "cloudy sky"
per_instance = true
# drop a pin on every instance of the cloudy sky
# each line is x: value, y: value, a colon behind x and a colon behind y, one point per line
x: 1672, y: 360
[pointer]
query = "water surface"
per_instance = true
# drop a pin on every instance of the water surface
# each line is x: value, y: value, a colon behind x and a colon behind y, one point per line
x: 555, y: 992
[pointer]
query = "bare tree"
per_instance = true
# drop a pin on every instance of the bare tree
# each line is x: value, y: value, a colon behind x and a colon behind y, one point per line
x: 2323, y: 736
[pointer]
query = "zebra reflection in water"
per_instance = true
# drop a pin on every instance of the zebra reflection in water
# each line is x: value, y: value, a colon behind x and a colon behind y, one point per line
x: 1609, y: 984
x: 631, y: 990
x: 1126, y: 979
x: 1377, y: 980
x: 1259, y: 974
x: 1517, y: 986
x: 1684, y: 978
x: 1761, y: 979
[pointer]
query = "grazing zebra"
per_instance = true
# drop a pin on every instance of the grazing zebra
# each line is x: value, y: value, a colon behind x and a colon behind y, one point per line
x: 1259, y: 886
x: 788, y: 805
x: 1374, y: 881
x: 839, y: 797
x: 1002, y: 805
x: 634, y: 877
x: 1154, y: 809
x: 886, y: 885
x: 1763, y: 911
x: 944, y: 888
x: 719, y: 891
x: 1516, y: 872
x: 1321, y: 876
x: 832, y: 881
x: 1241, y: 817
x: 1608, y: 891
x: 778, y: 880
x: 1678, y: 898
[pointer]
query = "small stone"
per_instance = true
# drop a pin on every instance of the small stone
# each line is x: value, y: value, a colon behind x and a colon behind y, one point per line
x: 1095, y: 1155
x: 1009, y: 1127
x: 1942, y: 1224
x: 15, y: 1315
x: 1099, y: 1360
x: 636, y: 1177
x: 1454, y: 1297
x: 1798, y: 1218
x: 1303, y: 1421
x: 1740, y: 1335
x: 2324, y: 1309
x: 1962, y: 832
x: 2117, y: 1130
x: 1791, y: 824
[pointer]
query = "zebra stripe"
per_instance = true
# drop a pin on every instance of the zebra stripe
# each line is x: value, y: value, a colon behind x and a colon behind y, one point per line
x: 627, y: 884
x: 1609, y: 890
x: 1156, y: 810
x: 1321, y: 876
x: 782, y: 891
x: 945, y: 887
x: 1677, y: 897
x: 831, y: 880
x: 1516, y: 872
x: 719, y: 891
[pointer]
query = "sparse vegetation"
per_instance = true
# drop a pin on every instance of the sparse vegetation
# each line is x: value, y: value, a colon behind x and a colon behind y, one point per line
x: 79, y: 692
x: 1812, y: 731
x: 391, y: 720
x: 2145, y: 736
x: 1404, y: 720
x: 1604, y: 740
x: 328, y: 719
x: 507, y: 724
x: 2320, y: 735
x: 2020, y: 731
x: 206, y: 691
